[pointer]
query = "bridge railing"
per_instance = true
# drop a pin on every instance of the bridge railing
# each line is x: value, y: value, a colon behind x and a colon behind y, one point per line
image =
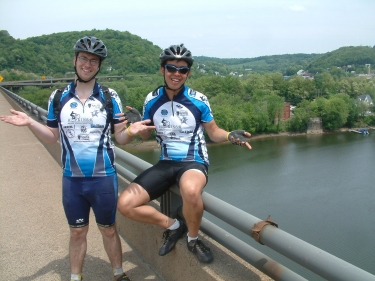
x: 265, y: 232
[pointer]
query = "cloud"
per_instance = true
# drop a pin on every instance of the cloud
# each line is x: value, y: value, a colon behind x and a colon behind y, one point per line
x: 297, y: 8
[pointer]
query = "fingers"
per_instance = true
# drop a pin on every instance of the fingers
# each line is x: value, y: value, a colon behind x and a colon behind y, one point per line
x: 122, y: 116
x: 248, y: 145
x: 240, y: 142
x: 146, y: 121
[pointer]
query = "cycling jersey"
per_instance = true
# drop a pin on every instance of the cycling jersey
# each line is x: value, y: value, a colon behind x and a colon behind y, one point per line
x: 87, y: 148
x: 178, y: 123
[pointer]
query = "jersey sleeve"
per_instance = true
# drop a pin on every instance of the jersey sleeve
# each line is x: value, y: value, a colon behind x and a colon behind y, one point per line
x: 204, y: 107
x: 51, y: 118
x: 117, y: 106
x: 146, y: 106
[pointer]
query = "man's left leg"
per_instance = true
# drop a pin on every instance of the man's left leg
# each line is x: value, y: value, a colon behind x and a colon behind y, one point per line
x: 104, y: 204
x: 191, y: 186
x: 112, y: 246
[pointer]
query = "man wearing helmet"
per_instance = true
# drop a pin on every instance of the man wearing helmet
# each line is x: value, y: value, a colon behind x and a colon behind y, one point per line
x: 82, y: 124
x: 180, y: 116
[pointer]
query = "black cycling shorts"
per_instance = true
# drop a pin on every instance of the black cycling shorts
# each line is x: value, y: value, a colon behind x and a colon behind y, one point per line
x: 157, y: 179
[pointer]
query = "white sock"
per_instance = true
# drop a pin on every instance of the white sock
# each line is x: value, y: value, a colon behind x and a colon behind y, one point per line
x: 76, y: 277
x: 191, y: 238
x: 175, y: 225
x: 118, y: 271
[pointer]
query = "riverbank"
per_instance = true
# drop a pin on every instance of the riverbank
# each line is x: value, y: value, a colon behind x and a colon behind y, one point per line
x: 152, y: 144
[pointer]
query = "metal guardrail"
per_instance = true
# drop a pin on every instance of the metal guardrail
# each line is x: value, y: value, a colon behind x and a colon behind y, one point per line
x: 314, y: 259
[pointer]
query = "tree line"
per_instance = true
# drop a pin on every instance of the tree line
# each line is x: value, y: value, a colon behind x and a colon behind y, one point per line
x: 255, y: 101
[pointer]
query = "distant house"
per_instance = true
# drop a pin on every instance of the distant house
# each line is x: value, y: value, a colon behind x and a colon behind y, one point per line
x: 367, y: 100
x: 300, y: 72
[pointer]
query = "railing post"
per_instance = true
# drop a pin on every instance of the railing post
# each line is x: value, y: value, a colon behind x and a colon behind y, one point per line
x: 170, y: 203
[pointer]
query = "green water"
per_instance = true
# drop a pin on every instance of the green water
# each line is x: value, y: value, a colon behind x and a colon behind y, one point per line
x: 319, y: 188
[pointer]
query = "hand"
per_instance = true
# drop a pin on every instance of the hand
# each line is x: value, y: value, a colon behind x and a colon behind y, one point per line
x: 132, y: 115
x: 140, y: 127
x: 238, y: 137
x: 18, y: 119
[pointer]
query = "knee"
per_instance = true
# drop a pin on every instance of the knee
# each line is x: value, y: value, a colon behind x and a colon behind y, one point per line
x: 108, y: 232
x: 78, y: 233
x: 192, y: 196
x: 124, y: 206
x: 133, y: 197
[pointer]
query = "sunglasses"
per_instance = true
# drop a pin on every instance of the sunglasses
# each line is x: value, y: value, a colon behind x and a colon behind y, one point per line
x: 173, y: 69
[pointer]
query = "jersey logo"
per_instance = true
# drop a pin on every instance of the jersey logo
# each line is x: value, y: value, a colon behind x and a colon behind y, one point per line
x: 165, y: 123
x: 73, y: 105
x: 164, y: 112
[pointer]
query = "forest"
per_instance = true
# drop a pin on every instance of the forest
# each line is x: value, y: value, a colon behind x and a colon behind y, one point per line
x: 246, y: 93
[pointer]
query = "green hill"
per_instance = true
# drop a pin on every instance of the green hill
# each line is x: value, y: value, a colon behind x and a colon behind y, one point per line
x: 287, y: 64
x: 52, y: 55
x: 348, y: 58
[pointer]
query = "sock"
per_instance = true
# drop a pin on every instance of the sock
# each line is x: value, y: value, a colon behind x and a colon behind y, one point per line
x: 175, y: 225
x: 118, y: 271
x: 191, y: 238
x: 76, y: 277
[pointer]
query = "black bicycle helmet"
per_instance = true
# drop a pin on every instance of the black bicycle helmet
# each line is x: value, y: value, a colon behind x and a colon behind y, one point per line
x: 176, y: 52
x: 92, y: 45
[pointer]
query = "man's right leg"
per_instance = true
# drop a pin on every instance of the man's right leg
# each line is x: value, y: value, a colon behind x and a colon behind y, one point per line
x: 132, y: 204
x: 77, y: 211
x: 77, y: 248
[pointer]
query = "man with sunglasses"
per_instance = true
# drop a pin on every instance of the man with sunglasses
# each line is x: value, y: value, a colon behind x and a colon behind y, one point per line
x: 180, y: 116
x: 82, y: 124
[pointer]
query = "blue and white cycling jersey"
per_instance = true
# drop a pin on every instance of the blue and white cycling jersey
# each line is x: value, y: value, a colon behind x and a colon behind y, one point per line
x: 85, y: 138
x: 178, y: 123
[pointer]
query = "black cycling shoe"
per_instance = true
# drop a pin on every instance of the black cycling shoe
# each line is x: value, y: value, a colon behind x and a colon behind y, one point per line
x: 170, y: 238
x: 202, y: 252
x: 122, y: 277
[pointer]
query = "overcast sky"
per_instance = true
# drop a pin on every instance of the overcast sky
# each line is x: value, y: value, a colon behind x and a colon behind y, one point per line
x: 215, y: 28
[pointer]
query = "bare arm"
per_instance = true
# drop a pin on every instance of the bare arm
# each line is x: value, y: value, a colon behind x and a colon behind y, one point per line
x: 217, y: 134
x: 47, y: 134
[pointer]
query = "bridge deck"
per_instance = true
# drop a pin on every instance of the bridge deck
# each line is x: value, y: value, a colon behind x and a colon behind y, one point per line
x: 34, y: 233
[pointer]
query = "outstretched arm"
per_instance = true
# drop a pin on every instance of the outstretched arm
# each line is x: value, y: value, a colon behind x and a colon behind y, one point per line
x: 47, y: 134
x: 217, y: 134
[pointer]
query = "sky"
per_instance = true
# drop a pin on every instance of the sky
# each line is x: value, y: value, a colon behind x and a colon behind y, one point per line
x: 214, y: 28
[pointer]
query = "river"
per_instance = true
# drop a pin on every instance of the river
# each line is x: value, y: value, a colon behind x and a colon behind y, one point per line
x: 319, y: 188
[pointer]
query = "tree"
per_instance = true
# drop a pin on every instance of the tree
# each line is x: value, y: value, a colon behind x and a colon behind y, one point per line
x: 336, y: 113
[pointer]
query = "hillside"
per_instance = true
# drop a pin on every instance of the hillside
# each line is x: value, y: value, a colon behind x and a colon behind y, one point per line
x: 348, y: 58
x: 130, y: 54
x: 53, y: 54
x: 287, y: 64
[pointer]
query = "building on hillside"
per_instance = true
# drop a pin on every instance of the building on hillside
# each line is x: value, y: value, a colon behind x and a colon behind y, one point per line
x: 286, y: 113
x: 367, y: 101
